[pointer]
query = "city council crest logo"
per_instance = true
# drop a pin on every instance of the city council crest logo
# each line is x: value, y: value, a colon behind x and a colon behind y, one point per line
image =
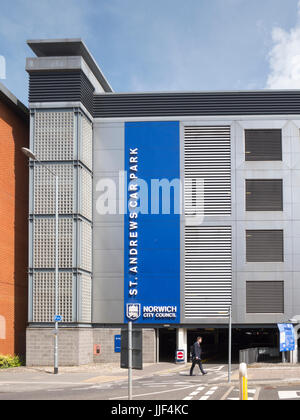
x: 133, y: 311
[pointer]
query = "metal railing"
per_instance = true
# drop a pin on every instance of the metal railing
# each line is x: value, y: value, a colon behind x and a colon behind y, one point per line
x: 259, y: 354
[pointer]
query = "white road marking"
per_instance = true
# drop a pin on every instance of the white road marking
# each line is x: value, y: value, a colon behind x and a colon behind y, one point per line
x: 87, y: 388
x: 55, y: 390
x: 154, y: 393
x: 209, y: 393
x: 289, y: 395
x: 216, y: 369
x: 227, y: 393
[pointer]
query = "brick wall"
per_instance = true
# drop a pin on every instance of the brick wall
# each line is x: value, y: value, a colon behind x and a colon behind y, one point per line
x: 13, y: 231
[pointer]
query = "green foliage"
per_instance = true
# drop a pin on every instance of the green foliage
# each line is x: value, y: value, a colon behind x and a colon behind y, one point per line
x: 7, y: 361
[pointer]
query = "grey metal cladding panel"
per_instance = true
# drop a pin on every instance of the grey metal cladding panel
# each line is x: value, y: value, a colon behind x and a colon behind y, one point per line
x: 56, y: 86
x: 87, y: 93
x: 263, y: 145
x: 264, y: 246
x: 197, y: 103
x: 264, y: 195
x: 265, y: 297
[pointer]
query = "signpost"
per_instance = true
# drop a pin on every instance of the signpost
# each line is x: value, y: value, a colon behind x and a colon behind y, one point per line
x: 131, y: 352
x: 287, y: 338
x: 180, y: 356
x: 117, y: 343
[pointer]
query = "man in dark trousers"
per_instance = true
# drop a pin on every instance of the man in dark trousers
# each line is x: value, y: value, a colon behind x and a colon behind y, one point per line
x: 196, y: 354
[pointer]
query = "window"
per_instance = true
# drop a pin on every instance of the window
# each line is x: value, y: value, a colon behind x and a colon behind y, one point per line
x: 264, y: 195
x: 264, y: 246
x: 263, y: 145
x: 265, y: 297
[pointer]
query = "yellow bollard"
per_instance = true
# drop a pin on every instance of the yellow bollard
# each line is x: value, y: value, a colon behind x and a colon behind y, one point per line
x: 243, y: 382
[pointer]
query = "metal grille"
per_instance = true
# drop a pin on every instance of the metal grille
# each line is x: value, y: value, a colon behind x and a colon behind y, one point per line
x: 208, y: 161
x: 197, y: 103
x: 44, y: 243
x: 263, y: 145
x: 86, y: 246
x: 44, y: 189
x: 87, y: 142
x: 264, y: 246
x: 265, y: 297
x: 60, y: 86
x: 86, y: 298
x: 264, y: 195
x: 54, y: 135
x: 44, y: 296
x: 54, y: 140
x: 208, y: 271
x: 86, y: 194
x: 54, y: 86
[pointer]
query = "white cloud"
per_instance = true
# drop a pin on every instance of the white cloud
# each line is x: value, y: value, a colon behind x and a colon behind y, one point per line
x: 284, y: 58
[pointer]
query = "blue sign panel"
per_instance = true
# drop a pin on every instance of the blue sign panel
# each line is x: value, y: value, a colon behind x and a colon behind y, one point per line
x: 152, y: 223
x: 58, y: 318
x: 117, y: 344
x: 287, y: 337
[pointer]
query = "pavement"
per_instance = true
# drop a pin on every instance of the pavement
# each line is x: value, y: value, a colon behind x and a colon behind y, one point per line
x: 163, y: 381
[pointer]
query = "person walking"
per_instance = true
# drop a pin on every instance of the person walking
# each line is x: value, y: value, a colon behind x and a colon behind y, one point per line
x: 196, y: 356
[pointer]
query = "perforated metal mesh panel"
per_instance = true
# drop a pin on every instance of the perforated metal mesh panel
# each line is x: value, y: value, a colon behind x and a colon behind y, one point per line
x: 87, y: 142
x: 54, y: 135
x: 86, y: 194
x: 208, y: 271
x: 44, y: 296
x: 54, y: 140
x: 86, y: 298
x: 44, y: 243
x: 86, y: 246
x: 265, y: 297
x: 208, y: 159
x: 44, y: 189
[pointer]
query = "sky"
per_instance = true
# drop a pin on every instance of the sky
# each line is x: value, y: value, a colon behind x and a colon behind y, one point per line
x: 163, y: 45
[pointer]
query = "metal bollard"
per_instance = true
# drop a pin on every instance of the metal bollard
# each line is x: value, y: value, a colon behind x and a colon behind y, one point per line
x: 243, y: 382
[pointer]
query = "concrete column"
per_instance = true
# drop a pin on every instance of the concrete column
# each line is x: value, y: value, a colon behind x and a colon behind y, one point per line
x: 182, y: 341
x: 294, y: 354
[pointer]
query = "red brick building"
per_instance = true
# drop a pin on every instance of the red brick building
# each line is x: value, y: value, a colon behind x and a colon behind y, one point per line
x: 14, y: 134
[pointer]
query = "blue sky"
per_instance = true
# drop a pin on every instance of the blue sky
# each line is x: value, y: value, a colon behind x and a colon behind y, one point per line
x: 149, y: 45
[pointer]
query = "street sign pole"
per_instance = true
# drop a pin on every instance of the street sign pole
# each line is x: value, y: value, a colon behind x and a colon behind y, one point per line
x: 230, y: 345
x: 57, y: 318
x: 130, y: 360
x: 56, y: 279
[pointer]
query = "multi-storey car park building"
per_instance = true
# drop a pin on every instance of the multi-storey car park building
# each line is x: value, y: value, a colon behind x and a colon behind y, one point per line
x: 173, y: 269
